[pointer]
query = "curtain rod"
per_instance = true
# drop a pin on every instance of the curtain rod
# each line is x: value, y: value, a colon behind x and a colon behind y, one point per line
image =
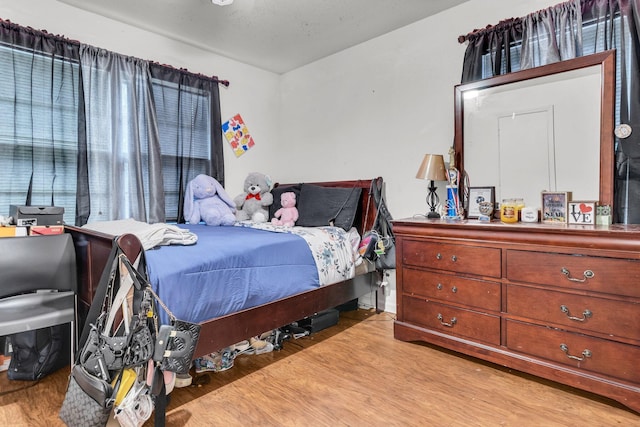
x: 464, y: 38
x: 76, y: 42
x: 225, y: 83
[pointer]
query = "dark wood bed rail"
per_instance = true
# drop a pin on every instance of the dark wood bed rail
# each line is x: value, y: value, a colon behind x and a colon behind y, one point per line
x: 93, y: 249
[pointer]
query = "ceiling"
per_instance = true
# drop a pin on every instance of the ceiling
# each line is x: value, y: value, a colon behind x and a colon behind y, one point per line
x: 275, y: 35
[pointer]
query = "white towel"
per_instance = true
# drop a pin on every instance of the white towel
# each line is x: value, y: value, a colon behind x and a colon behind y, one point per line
x: 150, y: 235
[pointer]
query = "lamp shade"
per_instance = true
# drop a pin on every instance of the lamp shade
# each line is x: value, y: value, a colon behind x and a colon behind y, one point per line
x: 432, y: 168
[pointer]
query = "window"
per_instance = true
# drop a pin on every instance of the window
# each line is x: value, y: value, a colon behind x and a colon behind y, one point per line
x: 38, y: 130
x: 39, y: 97
x: 184, y: 127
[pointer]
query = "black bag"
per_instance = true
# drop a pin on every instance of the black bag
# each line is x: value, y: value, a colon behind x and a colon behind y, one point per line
x: 39, y: 352
x: 88, y: 401
x: 380, y: 242
x: 90, y: 396
x: 117, y: 352
x: 174, y: 346
x: 175, y: 343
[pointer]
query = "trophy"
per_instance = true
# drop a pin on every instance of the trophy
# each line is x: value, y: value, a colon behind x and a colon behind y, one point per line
x: 486, y: 209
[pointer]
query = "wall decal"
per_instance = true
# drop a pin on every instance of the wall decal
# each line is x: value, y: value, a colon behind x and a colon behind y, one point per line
x: 236, y: 132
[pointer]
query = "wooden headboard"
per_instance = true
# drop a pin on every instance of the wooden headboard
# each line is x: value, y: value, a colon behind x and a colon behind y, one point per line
x: 366, y: 214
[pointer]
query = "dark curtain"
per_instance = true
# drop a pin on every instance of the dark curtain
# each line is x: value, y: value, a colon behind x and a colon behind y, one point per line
x: 186, y: 149
x: 616, y: 27
x: 38, y: 123
x: 497, y: 42
x: 551, y: 35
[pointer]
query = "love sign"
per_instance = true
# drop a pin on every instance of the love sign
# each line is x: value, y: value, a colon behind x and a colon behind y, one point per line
x: 582, y: 212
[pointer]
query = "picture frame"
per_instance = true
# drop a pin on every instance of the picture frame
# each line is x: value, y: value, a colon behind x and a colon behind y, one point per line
x: 582, y: 212
x: 555, y: 207
x: 477, y: 195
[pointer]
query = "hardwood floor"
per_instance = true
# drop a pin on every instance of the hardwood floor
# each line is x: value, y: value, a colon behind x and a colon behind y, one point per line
x: 352, y: 374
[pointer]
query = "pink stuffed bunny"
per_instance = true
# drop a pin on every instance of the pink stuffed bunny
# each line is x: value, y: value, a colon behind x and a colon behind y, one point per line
x: 287, y: 215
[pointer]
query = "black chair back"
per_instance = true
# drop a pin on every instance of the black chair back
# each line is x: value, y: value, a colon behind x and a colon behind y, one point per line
x: 28, y: 264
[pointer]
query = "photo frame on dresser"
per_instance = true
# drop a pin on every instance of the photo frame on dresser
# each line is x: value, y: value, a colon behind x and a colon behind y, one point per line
x: 582, y: 212
x: 555, y: 206
x: 478, y: 195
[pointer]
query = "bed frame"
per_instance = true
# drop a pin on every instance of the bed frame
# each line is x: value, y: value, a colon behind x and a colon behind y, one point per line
x: 93, y: 249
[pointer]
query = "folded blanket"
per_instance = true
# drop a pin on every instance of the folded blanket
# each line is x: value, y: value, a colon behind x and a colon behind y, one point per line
x: 150, y: 235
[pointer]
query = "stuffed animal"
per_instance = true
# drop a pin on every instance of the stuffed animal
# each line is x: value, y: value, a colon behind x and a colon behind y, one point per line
x: 205, y: 200
x: 252, y: 203
x: 287, y: 215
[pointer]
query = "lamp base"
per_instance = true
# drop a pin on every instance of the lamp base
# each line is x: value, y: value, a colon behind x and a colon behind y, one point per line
x: 432, y: 201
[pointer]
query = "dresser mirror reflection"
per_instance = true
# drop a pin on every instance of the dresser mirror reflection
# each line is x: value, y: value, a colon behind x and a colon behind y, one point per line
x: 546, y: 128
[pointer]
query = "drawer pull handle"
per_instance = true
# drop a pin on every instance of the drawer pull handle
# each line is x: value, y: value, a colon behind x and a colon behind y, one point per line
x: 454, y: 258
x: 440, y: 287
x: 438, y: 255
x: 588, y: 274
x: 585, y: 314
x: 449, y: 325
x: 585, y: 353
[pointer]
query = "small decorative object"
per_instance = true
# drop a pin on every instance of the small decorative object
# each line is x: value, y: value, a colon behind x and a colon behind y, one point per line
x: 582, y: 212
x: 253, y: 203
x: 477, y: 196
x: 603, y: 215
x: 486, y: 209
x: 508, y: 211
x: 623, y: 131
x: 236, y: 132
x: 529, y: 214
x: 555, y: 206
x: 287, y: 215
x: 432, y: 168
x: 454, y: 208
x: 206, y: 200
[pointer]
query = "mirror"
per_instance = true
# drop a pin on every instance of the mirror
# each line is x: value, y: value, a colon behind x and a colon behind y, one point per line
x: 547, y: 128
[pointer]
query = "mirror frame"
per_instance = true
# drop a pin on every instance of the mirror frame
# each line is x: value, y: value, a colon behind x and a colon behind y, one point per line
x: 606, y: 61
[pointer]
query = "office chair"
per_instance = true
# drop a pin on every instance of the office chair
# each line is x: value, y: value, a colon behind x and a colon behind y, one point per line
x: 38, y: 284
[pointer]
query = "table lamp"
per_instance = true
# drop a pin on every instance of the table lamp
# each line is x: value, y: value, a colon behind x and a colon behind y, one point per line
x: 432, y: 168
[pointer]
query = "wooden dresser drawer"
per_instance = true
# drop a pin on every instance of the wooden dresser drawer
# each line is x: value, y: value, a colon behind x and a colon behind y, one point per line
x: 482, y: 261
x: 608, y: 275
x: 579, y: 351
x: 614, y: 318
x: 451, y: 320
x: 450, y: 288
x: 561, y: 302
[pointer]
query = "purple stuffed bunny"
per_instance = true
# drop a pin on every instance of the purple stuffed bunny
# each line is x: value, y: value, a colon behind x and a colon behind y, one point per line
x: 206, y: 200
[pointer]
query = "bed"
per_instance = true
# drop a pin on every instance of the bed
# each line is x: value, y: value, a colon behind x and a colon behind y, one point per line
x: 266, y: 310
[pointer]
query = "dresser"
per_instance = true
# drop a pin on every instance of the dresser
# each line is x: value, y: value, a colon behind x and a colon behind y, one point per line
x: 556, y: 301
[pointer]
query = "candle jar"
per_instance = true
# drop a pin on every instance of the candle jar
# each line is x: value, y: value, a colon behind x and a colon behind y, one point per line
x: 508, y: 211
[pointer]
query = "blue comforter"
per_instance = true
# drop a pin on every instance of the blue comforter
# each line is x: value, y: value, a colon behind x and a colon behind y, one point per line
x: 229, y: 269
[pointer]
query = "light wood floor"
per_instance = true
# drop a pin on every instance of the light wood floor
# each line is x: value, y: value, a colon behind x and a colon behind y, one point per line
x: 352, y: 374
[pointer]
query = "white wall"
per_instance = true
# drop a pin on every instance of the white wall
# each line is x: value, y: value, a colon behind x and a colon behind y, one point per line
x: 377, y: 108
x: 374, y: 109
